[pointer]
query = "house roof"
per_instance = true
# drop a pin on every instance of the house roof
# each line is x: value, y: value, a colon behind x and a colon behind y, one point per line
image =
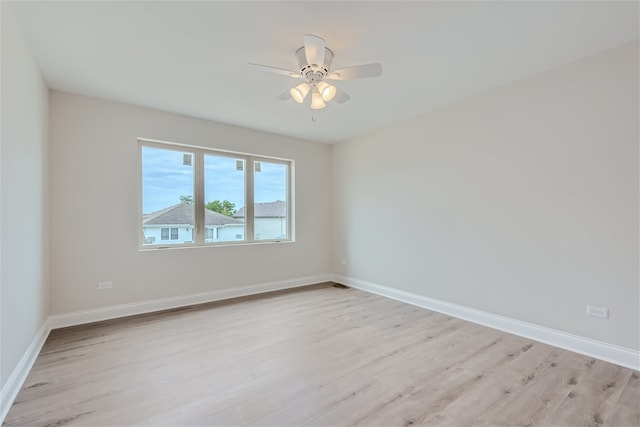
x: 277, y: 209
x: 182, y: 213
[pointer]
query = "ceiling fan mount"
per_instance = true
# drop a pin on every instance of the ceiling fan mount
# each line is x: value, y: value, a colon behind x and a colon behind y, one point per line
x: 314, y: 62
x: 314, y: 71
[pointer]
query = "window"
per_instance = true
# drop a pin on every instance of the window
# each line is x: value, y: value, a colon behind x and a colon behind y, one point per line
x: 195, y: 196
x: 224, y: 189
x: 166, y: 232
x: 167, y: 189
x: 270, y: 216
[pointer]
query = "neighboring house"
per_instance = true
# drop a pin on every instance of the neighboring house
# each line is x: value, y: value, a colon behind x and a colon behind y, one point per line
x: 270, y: 219
x: 174, y: 225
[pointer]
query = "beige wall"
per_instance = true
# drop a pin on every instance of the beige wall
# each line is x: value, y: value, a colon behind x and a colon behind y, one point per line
x: 521, y: 202
x: 94, y: 209
x: 24, y: 293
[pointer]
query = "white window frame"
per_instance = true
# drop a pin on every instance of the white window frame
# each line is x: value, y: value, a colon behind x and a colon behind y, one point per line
x: 198, y: 196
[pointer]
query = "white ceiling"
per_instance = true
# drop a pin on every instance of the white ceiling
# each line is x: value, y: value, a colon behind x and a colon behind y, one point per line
x: 190, y: 57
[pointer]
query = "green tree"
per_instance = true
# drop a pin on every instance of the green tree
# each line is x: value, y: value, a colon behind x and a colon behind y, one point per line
x: 224, y: 207
x: 186, y: 199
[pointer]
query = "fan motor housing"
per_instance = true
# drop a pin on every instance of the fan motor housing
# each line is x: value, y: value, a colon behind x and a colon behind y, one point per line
x: 308, y: 71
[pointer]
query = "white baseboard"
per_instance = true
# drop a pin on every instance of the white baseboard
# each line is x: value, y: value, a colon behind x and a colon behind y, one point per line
x: 15, y: 382
x: 600, y: 350
x: 607, y: 352
x: 122, y: 310
x: 17, y: 378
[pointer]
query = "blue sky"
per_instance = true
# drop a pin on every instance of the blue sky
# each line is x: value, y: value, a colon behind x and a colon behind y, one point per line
x: 165, y: 178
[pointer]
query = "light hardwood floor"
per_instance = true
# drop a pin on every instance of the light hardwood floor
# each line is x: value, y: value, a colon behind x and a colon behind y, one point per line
x: 317, y: 356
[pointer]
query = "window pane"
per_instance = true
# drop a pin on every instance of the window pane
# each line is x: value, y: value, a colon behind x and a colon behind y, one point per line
x: 224, y: 187
x: 270, y: 197
x: 167, y: 196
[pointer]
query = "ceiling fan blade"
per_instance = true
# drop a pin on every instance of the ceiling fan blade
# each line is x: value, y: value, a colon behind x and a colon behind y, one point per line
x: 275, y: 70
x: 285, y: 95
x: 314, y: 50
x: 341, y: 96
x: 357, y: 72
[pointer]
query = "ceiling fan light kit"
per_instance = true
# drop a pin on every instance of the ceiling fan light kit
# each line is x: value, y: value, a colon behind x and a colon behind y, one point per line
x: 327, y: 91
x: 299, y: 93
x: 317, y: 103
x: 314, y: 61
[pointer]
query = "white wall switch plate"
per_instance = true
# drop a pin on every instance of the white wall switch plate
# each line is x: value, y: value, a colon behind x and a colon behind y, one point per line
x: 105, y: 285
x: 594, y: 311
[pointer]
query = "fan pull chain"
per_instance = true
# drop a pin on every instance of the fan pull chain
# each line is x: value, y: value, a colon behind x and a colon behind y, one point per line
x: 313, y: 115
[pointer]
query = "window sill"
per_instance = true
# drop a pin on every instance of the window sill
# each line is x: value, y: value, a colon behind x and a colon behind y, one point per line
x: 217, y: 245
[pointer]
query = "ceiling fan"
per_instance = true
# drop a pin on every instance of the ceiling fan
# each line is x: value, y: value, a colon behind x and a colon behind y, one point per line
x: 314, y: 60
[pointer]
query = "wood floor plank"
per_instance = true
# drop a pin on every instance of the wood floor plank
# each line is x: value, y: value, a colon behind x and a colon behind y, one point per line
x: 452, y: 381
x: 529, y: 400
x: 315, y: 356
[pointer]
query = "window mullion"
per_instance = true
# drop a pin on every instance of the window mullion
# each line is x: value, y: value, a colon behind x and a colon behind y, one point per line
x: 249, y: 204
x: 198, y: 199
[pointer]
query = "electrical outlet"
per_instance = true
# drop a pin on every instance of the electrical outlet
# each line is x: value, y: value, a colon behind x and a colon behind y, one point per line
x: 104, y: 285
x: 594, y: 311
